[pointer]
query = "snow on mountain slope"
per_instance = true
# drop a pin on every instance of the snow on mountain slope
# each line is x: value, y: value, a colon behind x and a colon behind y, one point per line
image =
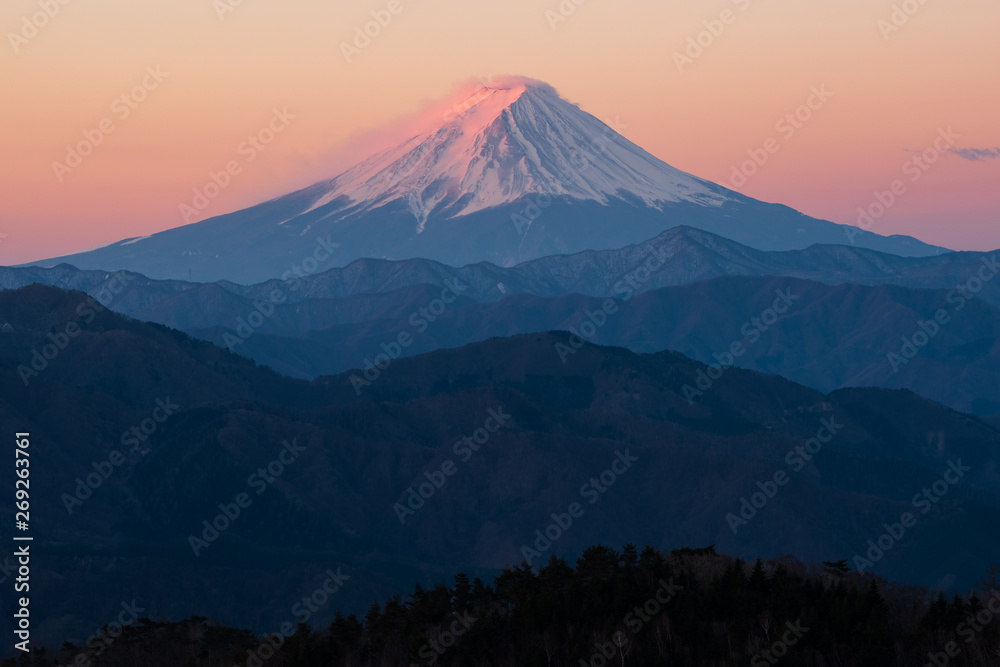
x: 513, y: 138
x: 505, y: 173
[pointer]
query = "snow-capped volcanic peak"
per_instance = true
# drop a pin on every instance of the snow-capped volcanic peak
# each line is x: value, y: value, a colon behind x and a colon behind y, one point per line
x: 512, y: 138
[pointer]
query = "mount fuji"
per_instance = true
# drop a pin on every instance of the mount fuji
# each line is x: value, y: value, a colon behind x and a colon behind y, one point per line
x: 508, y: 173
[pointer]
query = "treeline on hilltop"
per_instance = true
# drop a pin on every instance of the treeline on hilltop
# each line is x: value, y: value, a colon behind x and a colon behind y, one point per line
x: 689, y: 607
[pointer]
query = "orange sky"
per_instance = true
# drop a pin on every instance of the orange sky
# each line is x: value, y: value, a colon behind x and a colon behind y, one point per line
x: 222, y: 77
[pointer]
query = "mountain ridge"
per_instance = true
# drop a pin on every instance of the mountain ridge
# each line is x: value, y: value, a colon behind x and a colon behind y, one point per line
x: 567, y: 420
x: 695, y: 255
x: 519, y: 175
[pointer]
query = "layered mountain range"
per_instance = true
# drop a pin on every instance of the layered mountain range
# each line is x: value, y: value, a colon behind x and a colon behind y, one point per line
x: 555, y: 427
x: 513, y: 312
x: 843, y: 331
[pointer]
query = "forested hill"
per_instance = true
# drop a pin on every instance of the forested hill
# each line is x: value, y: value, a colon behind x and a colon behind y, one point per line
x: 686, y: 607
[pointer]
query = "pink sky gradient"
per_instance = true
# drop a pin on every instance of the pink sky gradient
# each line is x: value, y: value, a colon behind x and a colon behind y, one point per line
x: 615, y: 59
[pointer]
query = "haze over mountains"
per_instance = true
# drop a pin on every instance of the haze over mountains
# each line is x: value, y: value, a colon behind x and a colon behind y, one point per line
x: 689, y: 255
x: 507, y: 174
x: 567, y: 421
x: 836, y: 336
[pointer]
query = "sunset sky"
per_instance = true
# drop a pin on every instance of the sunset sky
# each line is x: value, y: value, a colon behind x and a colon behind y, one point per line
x: 224, y: 66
